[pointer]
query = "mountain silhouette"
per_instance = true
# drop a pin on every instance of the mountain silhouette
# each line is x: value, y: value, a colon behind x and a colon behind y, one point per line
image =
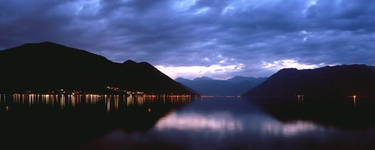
x: 48, y: 66
x: 231, y: 87
x: 334, y: 82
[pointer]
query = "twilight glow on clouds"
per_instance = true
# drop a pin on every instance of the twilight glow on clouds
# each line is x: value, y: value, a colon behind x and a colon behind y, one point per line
x: 191, y: 72
x: 193, y: 38
x: 290, y: 63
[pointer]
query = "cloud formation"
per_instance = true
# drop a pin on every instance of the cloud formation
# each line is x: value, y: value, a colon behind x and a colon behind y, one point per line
x: 289, y: 63
x: 201, y: 34
x: 191, y: 72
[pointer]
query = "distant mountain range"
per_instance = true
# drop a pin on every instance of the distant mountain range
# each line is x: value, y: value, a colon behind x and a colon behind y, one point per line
x: 334, y: 82
x: 231, y: 87
x: 48, y: 66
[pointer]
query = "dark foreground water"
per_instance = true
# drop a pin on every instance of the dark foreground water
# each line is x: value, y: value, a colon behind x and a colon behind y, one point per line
x: 118, y: 122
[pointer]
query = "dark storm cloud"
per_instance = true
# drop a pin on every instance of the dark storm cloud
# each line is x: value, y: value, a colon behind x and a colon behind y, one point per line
x: 256, y: 37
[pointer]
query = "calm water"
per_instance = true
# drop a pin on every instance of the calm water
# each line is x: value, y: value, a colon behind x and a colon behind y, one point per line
x: 117, y: 122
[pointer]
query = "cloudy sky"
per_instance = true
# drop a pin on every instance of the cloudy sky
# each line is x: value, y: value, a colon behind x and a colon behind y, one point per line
x: 193, y: 38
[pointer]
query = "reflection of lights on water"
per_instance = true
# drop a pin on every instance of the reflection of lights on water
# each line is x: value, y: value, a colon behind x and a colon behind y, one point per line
x: 108, y: 106
x: 300, y: 99
x: 6, y: 108
x: 109, y: 102
x: 62, y: 103
x: 129, y: 100
x: 149, y: 110
x: 197, y: 122
x: 140, y: 100
x: 288, y: 129
x: 354, y: 99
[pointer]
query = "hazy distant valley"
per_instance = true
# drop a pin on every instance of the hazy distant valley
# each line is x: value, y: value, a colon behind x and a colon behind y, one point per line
x: 235, y: 86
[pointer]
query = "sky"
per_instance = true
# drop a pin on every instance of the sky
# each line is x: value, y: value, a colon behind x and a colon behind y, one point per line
x: 194, y: 38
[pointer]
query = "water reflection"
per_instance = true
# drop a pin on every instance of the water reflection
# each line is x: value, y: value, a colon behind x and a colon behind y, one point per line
x: 234, y: 124
x: 71, y: 101
x: 217, y: 120
x: 290, y: 128
x: 346, y: 113
x: 67, y: 121
x: 88, y: 122
x: 196, y: 122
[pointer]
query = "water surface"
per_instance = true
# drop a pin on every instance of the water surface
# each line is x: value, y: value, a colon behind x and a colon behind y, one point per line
x: 117, y: 122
